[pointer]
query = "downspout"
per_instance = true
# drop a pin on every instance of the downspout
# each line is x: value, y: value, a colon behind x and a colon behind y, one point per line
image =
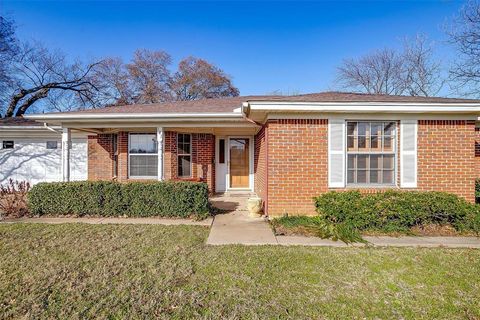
x: 45, y: 125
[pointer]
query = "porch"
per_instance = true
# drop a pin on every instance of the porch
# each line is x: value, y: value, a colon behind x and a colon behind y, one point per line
x: 223, y: 157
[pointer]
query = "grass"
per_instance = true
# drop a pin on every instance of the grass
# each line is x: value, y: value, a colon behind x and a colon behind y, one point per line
x: 139, y: 271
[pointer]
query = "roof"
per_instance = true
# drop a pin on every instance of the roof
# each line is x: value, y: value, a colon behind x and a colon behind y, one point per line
x: 227, y: 105
x: 19, y: 122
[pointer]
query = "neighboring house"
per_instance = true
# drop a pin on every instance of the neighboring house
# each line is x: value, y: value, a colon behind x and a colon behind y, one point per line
x: 286, y: 149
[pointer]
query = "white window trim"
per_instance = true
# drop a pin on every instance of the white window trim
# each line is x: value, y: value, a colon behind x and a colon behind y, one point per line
x: 139, y: 154
x: 185, y: 154
x: 394, y: 152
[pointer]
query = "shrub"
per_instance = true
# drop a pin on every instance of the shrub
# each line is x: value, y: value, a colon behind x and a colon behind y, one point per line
x: 13, y: 198
x: 398, y: 211
x: 319, y: 227
x: 133, y: 199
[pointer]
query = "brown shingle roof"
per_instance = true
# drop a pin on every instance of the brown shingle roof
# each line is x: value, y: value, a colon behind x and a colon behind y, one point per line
x: 18, y: 122
x: 222, y: 105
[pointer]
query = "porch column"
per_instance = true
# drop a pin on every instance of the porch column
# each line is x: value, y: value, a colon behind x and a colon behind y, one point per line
x: 160, y: 135
x: 66, y: 143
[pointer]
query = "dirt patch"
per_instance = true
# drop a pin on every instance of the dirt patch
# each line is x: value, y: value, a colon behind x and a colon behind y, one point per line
x: 431, y: 230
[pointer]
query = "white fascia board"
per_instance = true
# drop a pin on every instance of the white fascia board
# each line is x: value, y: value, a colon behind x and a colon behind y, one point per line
x: 380, y: 107
x: 134, y: 116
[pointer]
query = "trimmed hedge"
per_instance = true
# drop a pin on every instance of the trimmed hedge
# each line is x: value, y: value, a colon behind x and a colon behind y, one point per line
x: 133, y: 199
x: 397, y: 211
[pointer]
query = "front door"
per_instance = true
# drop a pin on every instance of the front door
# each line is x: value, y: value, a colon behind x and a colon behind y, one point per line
x: 239, y: 162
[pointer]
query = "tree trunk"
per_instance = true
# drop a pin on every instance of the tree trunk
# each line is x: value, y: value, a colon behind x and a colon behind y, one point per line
x: 31, y: 100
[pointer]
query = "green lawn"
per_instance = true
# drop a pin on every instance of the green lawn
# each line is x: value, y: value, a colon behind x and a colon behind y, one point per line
x: 120, y: 271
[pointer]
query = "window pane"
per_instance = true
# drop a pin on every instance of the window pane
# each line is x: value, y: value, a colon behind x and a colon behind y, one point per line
x: 221, y: 151
x: 351, y: 161
x: 387, y: 143
x: 389, y: 128
x: 143, y: 166
x: 374, y: 145
x: 52, y: 145
x: 184, y: 143
x: 375, y: 176
x: 388, y: 176
x: 351, y: 176
x: 184, y: 166
x: 8, y: 144
x: 388, y: 162
x: 351, y: 143
x: 362, y: 143
x: 362, y: 161
x: 143, y: 143
x: 362, y: 128
x: 361, y: 176
x: 375, y: 162
x: 376, y: 129
x: 351, y: 128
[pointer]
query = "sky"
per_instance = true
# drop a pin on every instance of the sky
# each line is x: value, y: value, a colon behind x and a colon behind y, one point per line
x: 287, y: 47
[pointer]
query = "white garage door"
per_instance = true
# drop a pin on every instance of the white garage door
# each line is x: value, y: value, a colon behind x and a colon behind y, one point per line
x: 39, y: 160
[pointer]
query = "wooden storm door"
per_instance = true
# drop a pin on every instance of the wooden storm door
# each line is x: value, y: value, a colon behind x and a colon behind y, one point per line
x: 239, y: 163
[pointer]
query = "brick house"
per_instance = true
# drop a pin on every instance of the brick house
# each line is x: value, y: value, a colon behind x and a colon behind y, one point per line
x: 286, y: 149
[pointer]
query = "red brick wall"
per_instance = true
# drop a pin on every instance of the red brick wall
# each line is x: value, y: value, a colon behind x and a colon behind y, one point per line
x: 203, y: 157
x: 477, y: 152
x: 100, y: 154
x: 260, y: 165
x: 100, y: 157
x: 297, y: 164
x: 122, y: 151
x: 446, y: 157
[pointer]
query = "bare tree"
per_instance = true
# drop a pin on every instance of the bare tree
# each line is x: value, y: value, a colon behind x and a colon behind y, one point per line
x: 380, y: 72
x: 464, y: 34
x: 150, y: 76
x: 413, y: 71
x: 113, y: 82
x: 422, y: 73
x: 8, y: 49
x: 37, y: 72
x: 198, y: 79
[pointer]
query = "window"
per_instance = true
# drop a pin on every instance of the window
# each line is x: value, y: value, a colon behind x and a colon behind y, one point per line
x: 184, y: 154
x: 143, y: 157
x: 371, y: 153
x: 115, y: 154
x: 52, y: 145
x: 221, y: 151
x: 8, y: 144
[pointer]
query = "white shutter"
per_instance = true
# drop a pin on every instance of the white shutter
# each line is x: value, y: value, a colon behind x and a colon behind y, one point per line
x: 408, y: 153
x: 336, y: 153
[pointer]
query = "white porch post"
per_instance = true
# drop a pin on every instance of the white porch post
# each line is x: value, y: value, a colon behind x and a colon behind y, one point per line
x: 161, y: 176
x: 66, y: 143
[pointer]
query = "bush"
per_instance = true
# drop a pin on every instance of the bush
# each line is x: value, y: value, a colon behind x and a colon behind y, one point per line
x: 398, y: 211
x: 13, y: 198
x: 133, y: 199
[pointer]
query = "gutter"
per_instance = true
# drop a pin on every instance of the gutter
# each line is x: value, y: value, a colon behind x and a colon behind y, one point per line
x: 133, y: 116
x: 377, y: 107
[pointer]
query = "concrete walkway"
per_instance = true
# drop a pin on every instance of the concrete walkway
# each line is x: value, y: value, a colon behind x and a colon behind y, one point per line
x: 407, y: 241
x: 235, y: 226
x: 161, y: 221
